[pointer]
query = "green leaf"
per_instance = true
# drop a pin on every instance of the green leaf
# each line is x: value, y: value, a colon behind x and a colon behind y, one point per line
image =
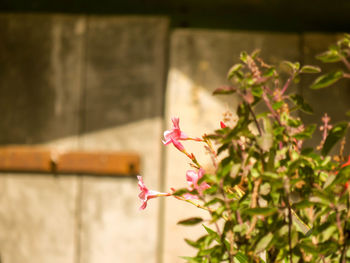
x: 327, y: 80
x: 301, y: 226
x: 193, y: 259
x: 292, y: 67
x: 233, y: 70
x: 270, y: 72
x: 277, y: 105
x: 180, y: 192
x: 214, y: 201
x: 263, y: 243
x: 241, y: 258
x: 329, y: 56
x: 310, y: 69
x: 307, y: 133
x: 299, y: 101
x: 224, y: 167
x: 192, y: 243
x: 190, y: 221
x: 265, y: 141
x: 210, y: 231
x: 265, y: 211
x: 244, y: 56
x: 342, y: 177
x: 335, y: 134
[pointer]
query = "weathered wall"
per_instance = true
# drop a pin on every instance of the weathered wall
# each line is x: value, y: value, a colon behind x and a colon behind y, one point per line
x: 88, y: 83
x: 97, y: 83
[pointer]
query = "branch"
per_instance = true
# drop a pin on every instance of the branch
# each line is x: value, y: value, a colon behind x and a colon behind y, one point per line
x: 268, y: 104
x: 344, y: 249
x: 254, y: 118
x: 290, y: 231
x: 286, y: 85
x: 346, y: 63
x: 254, y: 202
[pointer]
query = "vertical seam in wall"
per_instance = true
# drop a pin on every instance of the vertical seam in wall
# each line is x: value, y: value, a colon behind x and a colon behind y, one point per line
x: 162, y: 182
x: 301, y: 60
x: 81, y: 129
x: 301, y: 57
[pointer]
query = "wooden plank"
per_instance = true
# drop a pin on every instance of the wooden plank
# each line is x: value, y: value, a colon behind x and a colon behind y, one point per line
x: 25, y: 159
x: 34, y: 159
x: 99, y: 163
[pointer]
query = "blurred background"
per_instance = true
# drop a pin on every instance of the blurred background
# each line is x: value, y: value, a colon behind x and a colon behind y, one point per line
x: 92, y: 76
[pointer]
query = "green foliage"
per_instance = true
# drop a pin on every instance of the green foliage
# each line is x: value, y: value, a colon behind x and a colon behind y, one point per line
x: 270, y: 199
x: 327, y: 79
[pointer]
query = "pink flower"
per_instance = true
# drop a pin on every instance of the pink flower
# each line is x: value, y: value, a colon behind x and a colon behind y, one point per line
x: 175, y: 134
x: 193, y: 177
x: 178, y: 145
x: 146, y: 194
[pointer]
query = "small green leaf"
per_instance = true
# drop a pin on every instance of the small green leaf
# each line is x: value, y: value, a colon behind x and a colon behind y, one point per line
x: 342, y: 177
x: 194, y: 244
x: 277, y: 105
x: 190, y: 221
x: 244, y: 56
x: 193, y: 259
x: 180, y: 192
x: 263, y: 243
x: 329, y: 56
x: 265, y: 211
x: 241, y: 258
x: 233, y: 70
x: 335, y: 134
x: 327, y: 80
x: 292, y: 67
x: 270, y: 72
x: 265, y: 141
x: 301, y: 226
x: 299, y: 101
x: 310, y: 69
x: 307, y: 133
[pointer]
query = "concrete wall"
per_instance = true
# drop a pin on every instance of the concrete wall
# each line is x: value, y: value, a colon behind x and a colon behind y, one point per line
x: 88, y: 83
x: 99, y: 83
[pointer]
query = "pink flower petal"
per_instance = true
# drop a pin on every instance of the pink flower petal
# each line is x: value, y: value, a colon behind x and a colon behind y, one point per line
x: 178, y: 145
x: 146, y: 194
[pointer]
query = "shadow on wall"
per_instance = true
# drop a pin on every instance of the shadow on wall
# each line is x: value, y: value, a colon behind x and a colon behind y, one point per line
x: 68, y: 75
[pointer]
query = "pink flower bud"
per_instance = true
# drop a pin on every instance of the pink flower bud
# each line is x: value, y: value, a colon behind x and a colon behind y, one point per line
x: 222, y: 125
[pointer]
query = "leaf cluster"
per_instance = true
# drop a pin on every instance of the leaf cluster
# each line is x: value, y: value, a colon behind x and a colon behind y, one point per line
x: 270, y: 199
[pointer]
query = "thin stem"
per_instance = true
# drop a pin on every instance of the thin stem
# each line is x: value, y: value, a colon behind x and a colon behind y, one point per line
x: 254, y: 202
x: 193, y: 203
x: 286, y: 85
x: 254, y: 118
x: 227, y: 204
x: 344, y: 249
x: 268, y: 104
x: 346, y: 63
x: 290, y: 231
x: 346, y: 75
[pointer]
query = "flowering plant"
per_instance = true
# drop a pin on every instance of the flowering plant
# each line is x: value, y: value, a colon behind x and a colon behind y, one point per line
x: 270, y: 199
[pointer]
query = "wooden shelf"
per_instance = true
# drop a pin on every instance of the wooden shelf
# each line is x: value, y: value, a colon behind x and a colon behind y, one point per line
x: 42, y: 160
